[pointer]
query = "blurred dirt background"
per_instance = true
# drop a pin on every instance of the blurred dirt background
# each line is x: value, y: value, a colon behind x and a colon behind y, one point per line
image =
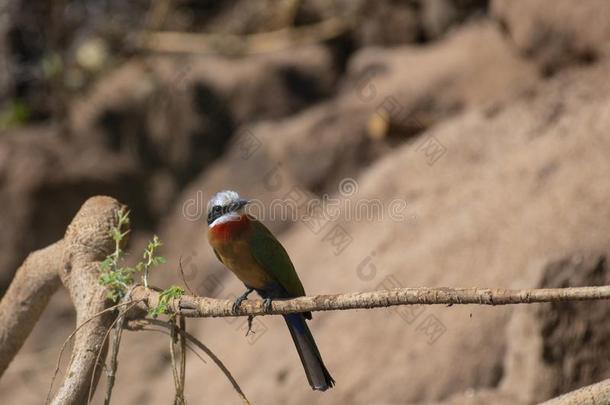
x: 488, y: 122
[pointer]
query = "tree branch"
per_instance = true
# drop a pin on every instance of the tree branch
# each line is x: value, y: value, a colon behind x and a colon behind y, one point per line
x: 203, y: 307
x: 75, y: 262
x: 28, y: 295
x: 284, y: 38
x: 88, y: 242
x: 594, y: 394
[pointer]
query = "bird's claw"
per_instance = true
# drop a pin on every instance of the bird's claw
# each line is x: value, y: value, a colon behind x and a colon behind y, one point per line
x: 250, y: 319
x: 267, y: 305
x: 239, y: 300
x: 236, y: 304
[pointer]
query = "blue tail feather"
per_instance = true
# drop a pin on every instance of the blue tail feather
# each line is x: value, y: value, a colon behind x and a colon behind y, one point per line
x: 318, y: 376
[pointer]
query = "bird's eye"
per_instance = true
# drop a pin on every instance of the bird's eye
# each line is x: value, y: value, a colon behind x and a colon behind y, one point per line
x: 217, y: 208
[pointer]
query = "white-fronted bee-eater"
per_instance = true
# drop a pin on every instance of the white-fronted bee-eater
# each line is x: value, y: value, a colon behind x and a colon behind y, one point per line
x: 254, y: 255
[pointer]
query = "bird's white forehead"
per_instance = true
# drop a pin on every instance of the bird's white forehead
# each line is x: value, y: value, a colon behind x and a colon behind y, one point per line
x: 223, y: 198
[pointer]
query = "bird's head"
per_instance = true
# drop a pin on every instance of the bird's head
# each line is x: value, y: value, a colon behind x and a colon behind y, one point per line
x: 225, y: 205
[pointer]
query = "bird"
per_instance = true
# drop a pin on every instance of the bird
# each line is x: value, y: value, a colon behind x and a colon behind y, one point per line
x: 247, y: 248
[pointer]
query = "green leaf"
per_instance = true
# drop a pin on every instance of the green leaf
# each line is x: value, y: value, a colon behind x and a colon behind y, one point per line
x: 117, y: 278
x: 165, y: 297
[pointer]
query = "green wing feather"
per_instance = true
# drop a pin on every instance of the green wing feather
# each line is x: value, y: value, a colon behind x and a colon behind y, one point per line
x: 272, y: 257
x: 218, y: 256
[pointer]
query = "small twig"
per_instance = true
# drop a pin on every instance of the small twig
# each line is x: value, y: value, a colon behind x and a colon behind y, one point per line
x: 283, y: 38
x: 101, y: 349
x: 138, y: 324
x: 97, y: 361
x: 157, y: 13
x: 112, y: 367
x: 178, y: 376
x: 133, y: 328
x: 115, y: 344
x: 181, y: 272
x: 182, y: 322
x: 67, y: 340
x: 172, y: 351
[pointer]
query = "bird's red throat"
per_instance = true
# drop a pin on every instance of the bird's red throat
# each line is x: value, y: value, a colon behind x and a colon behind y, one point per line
x: 229, y: 229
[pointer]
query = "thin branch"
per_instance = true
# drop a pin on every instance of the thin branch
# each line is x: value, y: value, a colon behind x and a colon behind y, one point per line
x: 202, y: 307
x: 182, y: 342
x: 71, y: 335
x: 175, y: 339
x: 142, y: 323
x: 118, y: 320
x: 114, y: 354
x: 140, y: 327
x: 281, y: 39
x: 101, y: 349
x: 181, y: 273
x: 115, y: 345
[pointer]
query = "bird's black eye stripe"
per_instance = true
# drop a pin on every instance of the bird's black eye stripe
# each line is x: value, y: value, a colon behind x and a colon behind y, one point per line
x: 214, y: 213
x: 219, y: 210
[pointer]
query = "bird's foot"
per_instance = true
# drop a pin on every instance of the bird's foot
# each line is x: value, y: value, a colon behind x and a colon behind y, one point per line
x: 240, y: 299
x: 267, y: 304
x: 250, y: 319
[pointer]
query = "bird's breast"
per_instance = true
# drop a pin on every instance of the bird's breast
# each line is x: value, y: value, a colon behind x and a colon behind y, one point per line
x: 230, y: 229
x: 232, y: 243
